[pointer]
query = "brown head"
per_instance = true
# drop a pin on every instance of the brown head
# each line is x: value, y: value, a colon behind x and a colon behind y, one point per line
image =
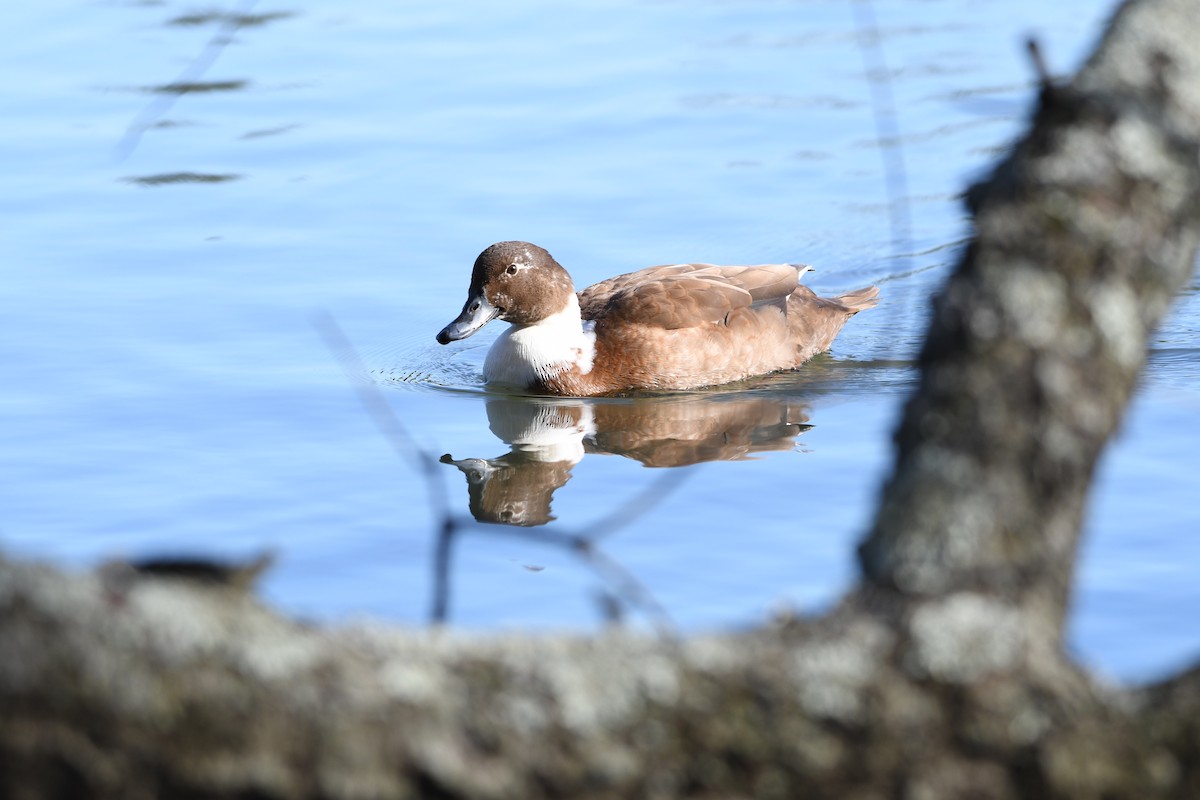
x: 517, y: 282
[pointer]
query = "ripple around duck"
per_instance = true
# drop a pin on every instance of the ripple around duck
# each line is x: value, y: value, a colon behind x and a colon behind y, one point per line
x: 455, y: 377
x: 420, y: 367
x: 418, y: 364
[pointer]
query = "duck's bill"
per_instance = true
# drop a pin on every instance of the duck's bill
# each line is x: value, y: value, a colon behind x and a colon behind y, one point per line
x: 475, y: 314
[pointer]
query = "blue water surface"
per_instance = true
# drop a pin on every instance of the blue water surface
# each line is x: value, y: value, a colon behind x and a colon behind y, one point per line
x: 184, y: 197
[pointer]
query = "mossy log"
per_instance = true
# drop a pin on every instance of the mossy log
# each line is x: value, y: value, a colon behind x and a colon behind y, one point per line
x: 942, y: 674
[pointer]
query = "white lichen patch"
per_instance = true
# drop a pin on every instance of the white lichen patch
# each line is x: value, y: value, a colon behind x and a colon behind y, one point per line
x: 961, y: 510
x: 185, y: 626
x: 1028, y: 724
x: 1061, y: 442
x: 714, y: 654
x: 611, y: 685
x: 1034, y: 302
x: 1080, y: 159
x: 1119, y: 320
x: 276, y: 651
x: 1055, y: 378
x: 1141, y: 153
x: 410, y: 664
x: 974, y: 526
x: 833, y: 676
x: 965, y: 636
x: 412, y: 681
x: 523, y: 714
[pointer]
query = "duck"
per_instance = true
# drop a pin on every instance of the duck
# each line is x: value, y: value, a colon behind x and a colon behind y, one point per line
x: 662, y: 328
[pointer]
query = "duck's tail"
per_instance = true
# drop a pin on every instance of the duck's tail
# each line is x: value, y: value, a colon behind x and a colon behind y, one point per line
x: 860, y: 299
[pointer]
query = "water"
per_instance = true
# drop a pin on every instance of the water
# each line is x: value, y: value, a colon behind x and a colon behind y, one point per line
x: 167, y: 390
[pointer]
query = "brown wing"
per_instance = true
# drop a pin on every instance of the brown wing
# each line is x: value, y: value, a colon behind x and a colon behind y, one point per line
x: 684, y: 295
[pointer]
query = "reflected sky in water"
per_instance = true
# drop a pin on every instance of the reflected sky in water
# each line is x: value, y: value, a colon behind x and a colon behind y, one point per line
x: 165, y: 250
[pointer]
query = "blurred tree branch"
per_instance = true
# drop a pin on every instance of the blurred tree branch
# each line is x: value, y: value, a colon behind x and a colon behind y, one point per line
x: 941, y: 675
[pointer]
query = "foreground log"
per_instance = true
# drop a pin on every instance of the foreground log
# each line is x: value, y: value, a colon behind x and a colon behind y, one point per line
x: 941, y: 675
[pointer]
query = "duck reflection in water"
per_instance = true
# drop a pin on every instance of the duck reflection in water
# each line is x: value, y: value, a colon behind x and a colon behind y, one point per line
x: 549, y: 437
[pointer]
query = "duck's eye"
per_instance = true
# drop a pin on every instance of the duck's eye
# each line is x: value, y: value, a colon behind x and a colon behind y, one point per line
x: 511, y: 269
x: 474, y: 306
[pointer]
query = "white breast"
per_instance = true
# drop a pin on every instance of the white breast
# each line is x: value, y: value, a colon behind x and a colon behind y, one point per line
x: 524, y: 355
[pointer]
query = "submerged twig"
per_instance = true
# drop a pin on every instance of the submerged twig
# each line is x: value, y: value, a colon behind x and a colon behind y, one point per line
x: 887, y: 131
x: 381, y: 413
x: 626, y: 586
x: 645, y: 500
x: 440, y: 609
x: 622, y: 582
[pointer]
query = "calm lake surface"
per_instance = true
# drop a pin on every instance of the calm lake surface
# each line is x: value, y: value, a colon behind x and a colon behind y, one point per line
x: 178, y: 213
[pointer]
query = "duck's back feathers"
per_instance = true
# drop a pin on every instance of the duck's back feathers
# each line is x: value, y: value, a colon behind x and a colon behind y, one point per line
x: 677, y: 296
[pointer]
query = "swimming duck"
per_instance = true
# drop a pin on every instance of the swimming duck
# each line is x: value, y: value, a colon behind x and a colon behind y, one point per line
x: 676, y: 326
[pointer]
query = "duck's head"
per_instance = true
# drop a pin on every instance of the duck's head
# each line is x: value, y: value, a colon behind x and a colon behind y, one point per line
x: 517, y: 282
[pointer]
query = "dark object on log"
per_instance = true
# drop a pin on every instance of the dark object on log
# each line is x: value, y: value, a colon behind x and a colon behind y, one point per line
x: 232, y: 574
